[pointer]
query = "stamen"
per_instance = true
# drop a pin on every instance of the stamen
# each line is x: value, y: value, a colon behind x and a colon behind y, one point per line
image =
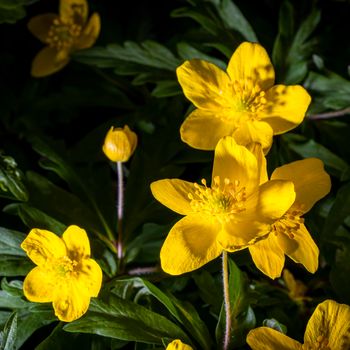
x: 288, y: 224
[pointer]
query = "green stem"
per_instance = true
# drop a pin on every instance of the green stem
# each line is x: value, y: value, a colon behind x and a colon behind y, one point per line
x: 226, y: 301
x: 120, y: 204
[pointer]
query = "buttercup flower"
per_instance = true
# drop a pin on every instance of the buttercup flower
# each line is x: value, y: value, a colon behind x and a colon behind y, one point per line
x: 327, y: 329
x: 178, y: 345
x: 242, y: 102
x: 65, y: 275
x: 296, y: 289
x: 64, y: 33
x: 120, y: 144
x: 230, y: 214
x: 288, y: 235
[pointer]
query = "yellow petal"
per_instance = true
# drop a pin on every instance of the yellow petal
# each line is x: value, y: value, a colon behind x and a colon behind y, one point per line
x: 40, y: 25
x: 254, y: 132
x: 311, y: 182
x: 285, y: 108
x: 204, y: 84
x: 74, y: 9
x: 235, y: 163
x: 90, y: 32
x: 190, y: 244
x: 264, y: 338
x: 236, y: 235
x: 71, y: 301
x: 46, y: 62
x: 43, y: 246
x: 272, y: 200
x: 257, y: 150
x: 39, y: 285
x: 203, y: 129
x: 330, y: 320
x: 302, y: 248
x: 250, y: 62
x: 77, y: 243
x: 90, y: 276
x: 173, y: 193
x: 178, y: 345
x: 268, y: 257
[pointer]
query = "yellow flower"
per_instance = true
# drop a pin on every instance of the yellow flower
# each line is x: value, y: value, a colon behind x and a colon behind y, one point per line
x: 119, y: 144
x: 296, y: 289
x: 242, y: 102
x: 226, y: 216
x: 64, y: 33
x: 178, y: 345
x: 288, y: 235
x: 65, y: 275
x: 327, y: 329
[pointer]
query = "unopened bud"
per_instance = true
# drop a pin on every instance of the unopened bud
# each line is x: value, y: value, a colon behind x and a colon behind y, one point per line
x: 120, y: 144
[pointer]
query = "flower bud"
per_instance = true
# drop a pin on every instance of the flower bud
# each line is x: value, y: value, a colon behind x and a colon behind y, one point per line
x: 120, y: 144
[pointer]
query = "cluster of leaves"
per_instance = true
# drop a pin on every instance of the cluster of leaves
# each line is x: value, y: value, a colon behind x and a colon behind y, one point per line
x: 53, y: 172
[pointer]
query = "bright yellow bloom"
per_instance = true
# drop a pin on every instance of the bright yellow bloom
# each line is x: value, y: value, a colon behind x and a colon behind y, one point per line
x: 65, y: 275
x: 288, y: 235
x: 120, y: 144
x: 178, y: 345
x: 242, y: 102
x: 327, y: 329
x: 64, y: 33
x: 296, y: 289
x: 229, y: 215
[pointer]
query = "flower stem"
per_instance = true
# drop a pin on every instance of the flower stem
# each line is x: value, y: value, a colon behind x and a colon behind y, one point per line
x: 328, y: 115
x: 120, y: 204
x: 226, y: 301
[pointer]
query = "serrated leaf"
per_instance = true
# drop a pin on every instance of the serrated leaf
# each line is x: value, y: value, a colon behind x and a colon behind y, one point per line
x: 125, y: 320
x: 9, y: 333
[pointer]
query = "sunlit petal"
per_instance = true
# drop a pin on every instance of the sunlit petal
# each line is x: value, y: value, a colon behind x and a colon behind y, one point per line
x: 77, y: 243
x: 76, y: 10
x: 251, y: 62
x: 286, y: 107
x: 90, y: 276
x: 190, y: 244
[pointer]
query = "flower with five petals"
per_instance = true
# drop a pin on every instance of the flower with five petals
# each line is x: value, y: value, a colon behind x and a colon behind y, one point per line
x: 228, y: 215
x: 242, y: 102
x: 65, y: 275
x: 288, y: 235
x: 64, y: 33
x: 327, y: 329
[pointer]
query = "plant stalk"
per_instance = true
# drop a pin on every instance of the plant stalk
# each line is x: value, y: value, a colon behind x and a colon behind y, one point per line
x: 120, y: 209
x: 227, y: 305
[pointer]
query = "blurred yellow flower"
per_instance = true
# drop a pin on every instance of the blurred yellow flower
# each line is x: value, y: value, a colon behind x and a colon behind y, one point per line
x: 327, y: 329
x: 64, y: 33
x: 119, y: 144
x: 296, y: 289
x: 178, y: 345
x: 288, y: 235
x: 65, y: 275
x: 229, y: 215
x: 242, y: 102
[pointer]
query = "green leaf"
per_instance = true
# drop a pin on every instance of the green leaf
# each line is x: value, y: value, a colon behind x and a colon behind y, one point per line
x: 125, y: 320
x: 11, y: 179
x: 184, y: 313
x: 9, y: 333
x: 242, y: 315
x: 166, y: 88
x: 10, y: 242
x: 310, y: 148
x: 13, y: 10
x: 11, y: 265
x: 274, y: 324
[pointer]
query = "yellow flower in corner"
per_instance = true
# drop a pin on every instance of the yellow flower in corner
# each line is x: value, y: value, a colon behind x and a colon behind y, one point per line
x: 242, y: 102
x: 178, y: 345
x: 65, y: 275
x: 64, y: 33
x: 288, y: 235
x: 327, y: 329
x: 296, y: 289
x: 228, y: 215
x: 119, y: 144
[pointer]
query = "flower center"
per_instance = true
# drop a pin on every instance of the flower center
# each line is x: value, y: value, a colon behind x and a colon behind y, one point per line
x: 221, y: 200
x: 65, y: 267
x: 321, y: 343
x: 288, y: 223
x: 248, y: 97
x: 63, y: 33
